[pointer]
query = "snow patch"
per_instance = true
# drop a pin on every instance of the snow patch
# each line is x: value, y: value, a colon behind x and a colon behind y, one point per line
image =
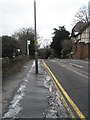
x: 12, y: 112
x: 56, y: 108
x: 47, y: 82
x: 33, y: 64
x: 15, y: 106
x: 22, y: 88
x: 32, y: 68
x: 26, y: 80
x: 27, y: 75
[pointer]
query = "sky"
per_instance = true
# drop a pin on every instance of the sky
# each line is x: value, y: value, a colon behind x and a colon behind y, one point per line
x: 16, y: 14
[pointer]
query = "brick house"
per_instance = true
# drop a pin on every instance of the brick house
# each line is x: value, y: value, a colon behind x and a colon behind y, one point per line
x: 81, y: 40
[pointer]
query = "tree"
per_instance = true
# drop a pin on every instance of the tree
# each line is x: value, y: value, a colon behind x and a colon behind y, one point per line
x: 81, y: 15
x: 45, y: 53
x: 66, y: 48
x: 22, y: 36
x: 60, y: 35
x: 9, y: 46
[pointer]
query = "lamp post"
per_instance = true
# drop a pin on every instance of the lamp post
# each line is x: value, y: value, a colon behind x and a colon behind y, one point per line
x: 35, y: 39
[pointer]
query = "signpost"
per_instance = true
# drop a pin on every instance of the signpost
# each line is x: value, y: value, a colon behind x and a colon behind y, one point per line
x: 35, y: 40
x: 28, y: 43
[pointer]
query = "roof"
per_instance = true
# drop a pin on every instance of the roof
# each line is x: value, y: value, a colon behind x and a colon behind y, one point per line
x: 79, y: 28
x: 84, y: 27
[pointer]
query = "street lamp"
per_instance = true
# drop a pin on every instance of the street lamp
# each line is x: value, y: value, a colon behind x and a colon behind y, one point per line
x: 35, y: 39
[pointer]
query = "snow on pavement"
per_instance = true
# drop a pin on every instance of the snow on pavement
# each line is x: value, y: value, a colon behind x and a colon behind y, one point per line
x: 15, y: 106
x: 56, y: 108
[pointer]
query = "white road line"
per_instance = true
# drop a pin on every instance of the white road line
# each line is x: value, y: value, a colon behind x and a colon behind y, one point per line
x: 78, y: 73
x: 81, y: 61
x: 76, y: 65
x: 84, y: 62
x: 53, y: 60
x: 63, y: 65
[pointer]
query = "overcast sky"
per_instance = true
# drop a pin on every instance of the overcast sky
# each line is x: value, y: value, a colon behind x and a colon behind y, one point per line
x: 15, y: 14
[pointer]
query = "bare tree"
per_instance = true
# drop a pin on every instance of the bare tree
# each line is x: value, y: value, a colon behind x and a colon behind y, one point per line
x: 22, y: 36
x: 81, y: 15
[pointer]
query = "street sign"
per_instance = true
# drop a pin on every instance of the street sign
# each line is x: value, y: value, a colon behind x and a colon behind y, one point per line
x: 36, y: 42
x: 28, y: 42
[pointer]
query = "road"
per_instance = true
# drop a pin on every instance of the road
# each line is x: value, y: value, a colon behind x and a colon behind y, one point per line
x: 25, y: 94
x: 73, y: 76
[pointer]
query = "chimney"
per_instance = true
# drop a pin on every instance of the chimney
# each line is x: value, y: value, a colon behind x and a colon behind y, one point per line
x: 89, y: 11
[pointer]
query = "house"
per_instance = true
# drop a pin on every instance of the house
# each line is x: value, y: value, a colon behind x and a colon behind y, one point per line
x: 81, y: 40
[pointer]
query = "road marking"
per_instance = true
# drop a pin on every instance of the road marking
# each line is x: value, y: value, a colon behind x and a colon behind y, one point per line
x: 79, y: 113
x: 76, y: 65
x: 71, y: 69
x: 78, y: 73
x: 53, y: 60
x: 80, y: 61
x: 64, y: 102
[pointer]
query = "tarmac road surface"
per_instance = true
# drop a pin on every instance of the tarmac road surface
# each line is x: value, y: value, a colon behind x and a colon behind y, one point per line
x: 73, y: 76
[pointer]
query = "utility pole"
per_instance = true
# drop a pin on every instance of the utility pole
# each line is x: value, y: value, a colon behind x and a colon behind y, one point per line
x: 35, y: 39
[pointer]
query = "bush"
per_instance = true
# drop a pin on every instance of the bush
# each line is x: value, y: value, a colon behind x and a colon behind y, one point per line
x: 11, y: 66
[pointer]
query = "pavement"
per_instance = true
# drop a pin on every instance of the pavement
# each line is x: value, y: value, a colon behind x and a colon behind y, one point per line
x: 30, y: 95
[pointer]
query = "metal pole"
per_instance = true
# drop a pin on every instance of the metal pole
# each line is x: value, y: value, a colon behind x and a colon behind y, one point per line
x: 28, y: 43
x: 36, y: 53
x: 27, y: 49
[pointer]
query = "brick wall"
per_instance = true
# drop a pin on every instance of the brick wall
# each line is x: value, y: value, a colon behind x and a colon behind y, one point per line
x: 80, y: 51
x: 87, y: 51
x: 83, y: 51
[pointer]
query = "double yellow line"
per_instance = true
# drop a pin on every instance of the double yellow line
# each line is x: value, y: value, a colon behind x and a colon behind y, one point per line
x: 76, y: 109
